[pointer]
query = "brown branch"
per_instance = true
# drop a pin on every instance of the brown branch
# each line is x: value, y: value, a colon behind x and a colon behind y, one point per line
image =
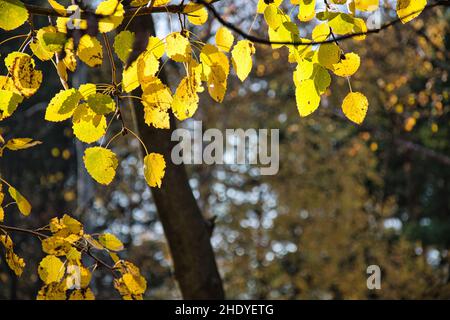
x: 129, y: 12
x: 26, y: 231
x: 210, y: 7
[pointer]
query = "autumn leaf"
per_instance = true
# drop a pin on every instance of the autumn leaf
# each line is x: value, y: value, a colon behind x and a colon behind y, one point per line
x: 101, y: 164
x: 355, y: 107
x: 51, y: 269
x: 22, y: 203
x: 242, y: 58
x: 62, y: 105
x: 110, y: 242
x: 154, y: 169
x: 12, y: 14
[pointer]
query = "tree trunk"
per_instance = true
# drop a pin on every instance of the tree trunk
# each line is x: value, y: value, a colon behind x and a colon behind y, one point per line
x: 187, y: 232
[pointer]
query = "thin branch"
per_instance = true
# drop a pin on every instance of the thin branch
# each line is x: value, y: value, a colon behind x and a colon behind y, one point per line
x: 210, y: 7
x: 26, y: 231
x: 129, y: 12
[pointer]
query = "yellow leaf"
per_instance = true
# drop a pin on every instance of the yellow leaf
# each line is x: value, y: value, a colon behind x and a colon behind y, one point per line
x: 110, y: 242
x: 114, y: 15
x: 101, y: 103
x: 26, y: 79
x: 408, y: 10
x: 130, y: 79
x: 287, y: 32
x: 242, y: 58
x: 50, y: 39
x: 62, y: 70
x: 85, y: 294
x: 21, y: 143
x: 65, y: 226
x: 262, y: 5
x: 355, y: 107
x: 52, y: 291
x: 367, y: 5
x: 87, y: 90
x: 308, y: 99
x: 307, y: 10
x: 90, y: 51
x: 321, y: 32
x: 9, y: 101
x: 147, y: 66
x: 216, y: 69
x: 321, y: 77
x: 178, y: 47
x: 22, y: 203
x: 224, y: 39
x: 12, y: 14
x: 273, y: 16
x: 6, y: 241
x: 15, y: 262
x: 73, y: 255
x: 39, y: 51
x: 157, y: 100
x: 303, y: 71
x: 62, y: 105
x: 57, y: 7
x: 51, y: 269
x: 6, y: 83
x: 185, y: 100
x: 136, y: 284
x: 107, y: 7
x: 123, y: 45
x: 154, y: 169
x: 156, y: 47
x: 348, y: 65
x: 11, y: 58
x: 196, y: 13
x: 101, y: 164
x: 70, y: 59
x: 360, y: 27
x: 57, y: 246
x: 131, y: 285
x: 87, y: 125
x: 328, y: 55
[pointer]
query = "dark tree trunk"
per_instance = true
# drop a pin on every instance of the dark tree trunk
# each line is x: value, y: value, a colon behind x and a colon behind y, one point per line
x: 186, y: 230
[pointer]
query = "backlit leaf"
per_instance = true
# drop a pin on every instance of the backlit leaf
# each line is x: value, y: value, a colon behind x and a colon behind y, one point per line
x: 355, y: 107
x: 51, y: 269
x: 62, y: 105
x: 12, y: 14
x: 154, y: 169
x: 110, y: 242
x: 242, y: 58
x: 22, y: 203
x: 90, y: 51
x: 101, y: 164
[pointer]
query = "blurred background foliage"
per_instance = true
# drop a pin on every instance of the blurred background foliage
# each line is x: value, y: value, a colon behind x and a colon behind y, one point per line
x: 346, y: 196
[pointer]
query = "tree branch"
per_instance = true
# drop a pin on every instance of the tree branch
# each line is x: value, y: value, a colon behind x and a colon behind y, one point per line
x: 129, y: 12
x: 210, y: 7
